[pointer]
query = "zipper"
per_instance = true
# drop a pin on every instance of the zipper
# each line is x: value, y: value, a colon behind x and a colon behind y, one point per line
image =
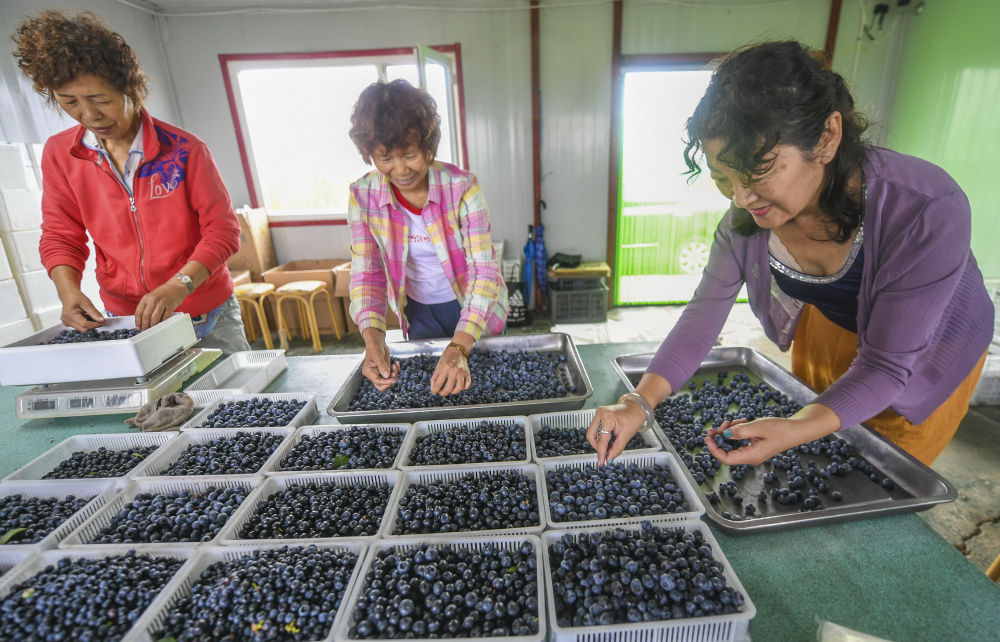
x: 135, y: 219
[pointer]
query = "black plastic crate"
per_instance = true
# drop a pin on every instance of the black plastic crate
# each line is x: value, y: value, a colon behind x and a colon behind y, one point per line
x: 577, y: 284
x: 579, y: 306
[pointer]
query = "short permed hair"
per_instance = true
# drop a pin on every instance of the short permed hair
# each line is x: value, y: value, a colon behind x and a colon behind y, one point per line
x: 53, y: 48
x: 395, y: 115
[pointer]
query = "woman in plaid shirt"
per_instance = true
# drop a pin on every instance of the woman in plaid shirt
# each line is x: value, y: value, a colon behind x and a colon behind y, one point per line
x: 420, y: 239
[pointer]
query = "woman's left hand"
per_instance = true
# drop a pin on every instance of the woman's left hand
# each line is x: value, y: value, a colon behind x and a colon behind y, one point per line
x: 769, y: 436
x: 451, y: 376
x: 159, y: 304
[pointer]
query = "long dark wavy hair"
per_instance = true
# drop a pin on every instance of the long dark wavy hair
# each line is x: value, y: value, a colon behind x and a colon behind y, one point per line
x: 779, y: 93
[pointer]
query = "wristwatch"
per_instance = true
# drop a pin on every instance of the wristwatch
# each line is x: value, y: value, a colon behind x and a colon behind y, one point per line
x: 186, y: 280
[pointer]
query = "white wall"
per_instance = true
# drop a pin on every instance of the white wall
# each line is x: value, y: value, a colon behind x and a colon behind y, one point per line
x: 24, y: 115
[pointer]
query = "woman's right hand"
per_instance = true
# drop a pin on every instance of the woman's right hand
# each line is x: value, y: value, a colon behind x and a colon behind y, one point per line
x: 378, y: 367
x: 621, y: 421
x: 79, y: 313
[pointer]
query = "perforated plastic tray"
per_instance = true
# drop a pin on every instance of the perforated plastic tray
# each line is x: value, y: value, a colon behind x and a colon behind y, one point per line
x: 424, y: 476
x: 241, y: 373
x: 26, y: 362
x: 230, y: 534
x: 39, y: 562
x: 642, y: 460
x: 81, y: 537
x: 468, y: 543
x: 101, y: 490
x: 713, y: 628
x: 302, y: 417
x: 578, y: 419
x: 47, y: 461
x: 10, y: 559
x: 181, y: 585
x: 422, y: 428
x: 313, y: 431
x: 159, y: 462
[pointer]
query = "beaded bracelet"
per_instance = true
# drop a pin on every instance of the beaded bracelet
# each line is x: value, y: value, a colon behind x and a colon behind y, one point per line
x: 647, y: 410
x: 460, y: 348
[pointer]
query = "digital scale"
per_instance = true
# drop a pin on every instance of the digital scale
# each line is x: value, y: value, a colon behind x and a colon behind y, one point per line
x: 119, y: 395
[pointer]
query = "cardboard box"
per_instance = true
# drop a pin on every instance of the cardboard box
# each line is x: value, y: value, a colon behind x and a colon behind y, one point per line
x: 241, y: 277
x: 342, y: 289
x: 256, y: 249
x: 310, y: 270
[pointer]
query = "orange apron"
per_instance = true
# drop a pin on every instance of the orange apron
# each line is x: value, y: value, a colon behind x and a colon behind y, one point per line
x: 822, y: 352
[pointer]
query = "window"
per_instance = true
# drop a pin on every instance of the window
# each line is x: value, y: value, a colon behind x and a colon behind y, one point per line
x: 292, y: 114
x: 665, y: 224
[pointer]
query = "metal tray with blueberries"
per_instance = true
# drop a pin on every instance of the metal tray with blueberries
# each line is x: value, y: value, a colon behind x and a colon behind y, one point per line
x: 855, y: 473
x: 568, y: 373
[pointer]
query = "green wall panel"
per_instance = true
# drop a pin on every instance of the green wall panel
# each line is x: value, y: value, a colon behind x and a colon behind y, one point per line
x: 946, y: 103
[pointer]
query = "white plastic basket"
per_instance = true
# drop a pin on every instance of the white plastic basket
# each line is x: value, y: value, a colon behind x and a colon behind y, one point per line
x: 241, y: 373
x: 180, y: 586
x: 578, y: 419
x: 713, y: 628
x: 301, y: 418
x: 39, y: 562
x: 314, y: 431
x: 469, y: 543
x: 230, y: 533
x: 101, y: 490
x: 422, y: 428
x: 10, y: 559
x: 47, y: 461
x: 88, y: 530
x: 642, y: 460
x: 454, y: 473
x: 157, y: 464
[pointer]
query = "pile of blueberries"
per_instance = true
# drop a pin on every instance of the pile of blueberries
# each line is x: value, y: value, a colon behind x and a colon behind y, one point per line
x: 75, y: 336
x: 612, y: 491
x: 183, y: 516
x: 84, y: 598
x: 258, y: 412
x: 807, y: 482
x: 291, y: 593
x: 484, y: 442
x: 559, y: 442
x: 473, y: 502
x: 38, y: 516
x: 102, y: 462
x: 448, y: 591
x: 319, y: 510
x: 355, y: 447
x: 637, y: 575
x: 497, y: 377
x: 241, y: 454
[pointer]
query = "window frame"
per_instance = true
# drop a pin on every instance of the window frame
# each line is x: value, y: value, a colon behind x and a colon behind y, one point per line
x: 232, y: 64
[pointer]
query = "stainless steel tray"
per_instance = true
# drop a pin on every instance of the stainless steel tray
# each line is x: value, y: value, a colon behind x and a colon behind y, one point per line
x: 554, y: 342
x: 917, y: 486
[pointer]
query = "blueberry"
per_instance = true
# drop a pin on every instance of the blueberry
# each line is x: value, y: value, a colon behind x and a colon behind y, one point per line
x: 480, y: 442
x: 37, y: 516
x: 184, y: 516
x: 102, y: 462
x: 255, y: 412
x: 352, y: 448
x: 75, y: 336
x: 319, y: 510
x: 241, y: 453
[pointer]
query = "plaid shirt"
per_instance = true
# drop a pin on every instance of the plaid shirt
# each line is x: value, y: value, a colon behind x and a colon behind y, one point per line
x: 458, y: 223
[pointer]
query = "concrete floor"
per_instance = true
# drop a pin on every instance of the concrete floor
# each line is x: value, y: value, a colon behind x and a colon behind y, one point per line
x: 971, y: 461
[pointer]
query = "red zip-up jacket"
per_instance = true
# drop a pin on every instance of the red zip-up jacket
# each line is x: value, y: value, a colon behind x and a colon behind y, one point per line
x: 180, y: 211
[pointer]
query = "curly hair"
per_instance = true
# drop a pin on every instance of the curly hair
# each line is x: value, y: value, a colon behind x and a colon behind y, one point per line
x: 395, y: 115
x: 779, y: 93
x: 53, y: 48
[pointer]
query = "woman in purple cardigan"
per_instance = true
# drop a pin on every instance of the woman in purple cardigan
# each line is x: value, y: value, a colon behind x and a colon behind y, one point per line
x: 858, y: 253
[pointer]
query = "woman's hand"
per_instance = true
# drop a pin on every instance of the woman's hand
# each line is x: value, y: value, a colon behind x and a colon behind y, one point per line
x: 159, y: 304
x: 769, y: 436
x: 451, y: 375
x: 378, y: 366
x: 79, y: 313
x: 622, y: 421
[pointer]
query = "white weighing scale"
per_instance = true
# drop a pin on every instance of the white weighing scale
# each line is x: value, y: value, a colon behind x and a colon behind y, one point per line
x: 108, y: 396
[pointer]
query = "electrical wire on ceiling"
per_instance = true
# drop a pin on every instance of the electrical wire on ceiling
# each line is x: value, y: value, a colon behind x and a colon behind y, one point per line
x: 375, y: 5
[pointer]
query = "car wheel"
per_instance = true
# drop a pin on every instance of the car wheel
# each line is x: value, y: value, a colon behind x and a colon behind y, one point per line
x: 692, y: 256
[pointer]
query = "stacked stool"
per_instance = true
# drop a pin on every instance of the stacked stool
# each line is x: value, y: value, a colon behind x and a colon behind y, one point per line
x: 252, y: 296
x: 304, y: 294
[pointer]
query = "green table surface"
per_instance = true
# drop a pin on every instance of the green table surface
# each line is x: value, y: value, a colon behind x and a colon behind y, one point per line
x: 892, y: 577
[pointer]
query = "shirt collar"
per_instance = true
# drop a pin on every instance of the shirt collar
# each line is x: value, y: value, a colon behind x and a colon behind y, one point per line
x: 433, y: 186
x: 91, y: 140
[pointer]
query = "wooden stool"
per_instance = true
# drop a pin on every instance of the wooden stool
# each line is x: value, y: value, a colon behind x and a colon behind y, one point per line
x: 304, y: 293
x: 993, y: 572
x: 252, y: 296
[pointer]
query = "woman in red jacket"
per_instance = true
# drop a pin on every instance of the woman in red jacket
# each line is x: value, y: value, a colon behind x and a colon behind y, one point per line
x: 147, y: 193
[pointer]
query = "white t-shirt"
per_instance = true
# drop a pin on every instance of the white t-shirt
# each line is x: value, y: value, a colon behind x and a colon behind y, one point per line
x: 425, y: 278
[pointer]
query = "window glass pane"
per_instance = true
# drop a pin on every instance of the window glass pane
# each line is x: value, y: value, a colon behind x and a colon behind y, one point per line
x: 407, y: 72
x: 297, y: 121
x: 665, y: 224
